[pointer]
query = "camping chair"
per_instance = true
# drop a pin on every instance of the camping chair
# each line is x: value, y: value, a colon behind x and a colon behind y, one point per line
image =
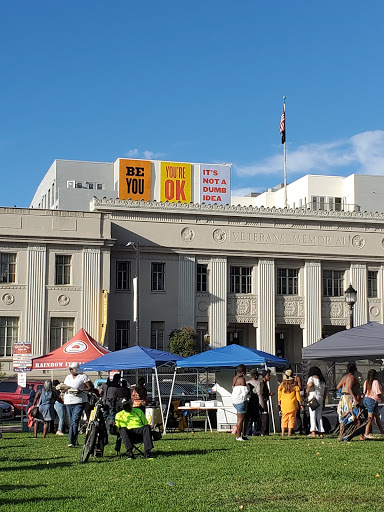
x: 137, y: 442
x: 350, y: 420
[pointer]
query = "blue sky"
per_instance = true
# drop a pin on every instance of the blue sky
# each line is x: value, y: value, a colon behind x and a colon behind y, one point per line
x: 194, y: 81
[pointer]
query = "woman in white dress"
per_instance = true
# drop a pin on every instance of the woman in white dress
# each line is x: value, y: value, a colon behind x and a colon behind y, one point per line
x: 316, y: 389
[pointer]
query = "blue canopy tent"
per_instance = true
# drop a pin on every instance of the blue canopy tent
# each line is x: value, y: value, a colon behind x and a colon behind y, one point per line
x: 133, y: 358
x: 229, y: 357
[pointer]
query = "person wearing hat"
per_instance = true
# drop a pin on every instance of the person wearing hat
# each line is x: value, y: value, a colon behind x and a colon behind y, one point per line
x: 264, y: 398
x: 289, y: 401
x: 75, y: 399
x: 131, y: 423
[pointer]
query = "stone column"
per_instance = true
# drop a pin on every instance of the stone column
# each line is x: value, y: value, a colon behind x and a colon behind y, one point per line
x: 91, y: 292
x: 359, y: 283
x: 266, y: 306
x: 35, y: 310
x: 312, y: 296
x: 218, y: 308
x: 187, y: 280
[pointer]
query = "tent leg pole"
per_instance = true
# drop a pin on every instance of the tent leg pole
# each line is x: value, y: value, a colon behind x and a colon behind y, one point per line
x: 161, y: 405
x: 169, y: 402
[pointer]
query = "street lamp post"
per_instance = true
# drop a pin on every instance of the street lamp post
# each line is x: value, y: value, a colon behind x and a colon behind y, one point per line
x: 136, y: 289
x: 350, y: 298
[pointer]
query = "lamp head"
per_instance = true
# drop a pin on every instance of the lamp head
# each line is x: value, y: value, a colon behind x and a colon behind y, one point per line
x: 350, y: 295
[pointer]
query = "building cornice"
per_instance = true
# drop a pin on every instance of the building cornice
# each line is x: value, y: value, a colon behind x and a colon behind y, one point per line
x: 108, y: 205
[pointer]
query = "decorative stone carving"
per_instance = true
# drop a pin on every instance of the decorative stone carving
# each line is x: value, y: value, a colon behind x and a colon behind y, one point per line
x: 8, y: 299
x: 63, y: 300
x: 358, y: 241
x: 187, y: 234
x: 242, y: 308
x: 202, y: 306
x: 335, y: 311
x: 219, y: 235
x: 374, y: 311
x: 290, y: 309
x: 204, y: 209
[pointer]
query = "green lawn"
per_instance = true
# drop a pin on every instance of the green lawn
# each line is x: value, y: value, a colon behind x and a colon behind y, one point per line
x: 194, y: 472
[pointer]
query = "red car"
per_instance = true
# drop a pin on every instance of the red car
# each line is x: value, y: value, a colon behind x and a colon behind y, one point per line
x: 14, y: 394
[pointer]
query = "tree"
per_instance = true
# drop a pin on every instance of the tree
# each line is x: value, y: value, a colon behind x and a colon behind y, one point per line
x: 183, y: 342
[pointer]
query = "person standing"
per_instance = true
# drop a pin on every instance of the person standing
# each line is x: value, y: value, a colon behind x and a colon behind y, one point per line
x: 265, y: 394
x: 32, y: 394
x: 316, y: 389
x: 373, y: 395
x: 75, y: 398
x: 240, y: 402
x: 45, y: 403
x: 254, y: 387
x: 289, y: 400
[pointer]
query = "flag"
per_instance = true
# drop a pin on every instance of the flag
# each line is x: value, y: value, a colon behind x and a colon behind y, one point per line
x: 282, y: 126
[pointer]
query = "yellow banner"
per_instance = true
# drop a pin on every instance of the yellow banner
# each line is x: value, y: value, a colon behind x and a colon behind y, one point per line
x: 135, y: 179
x: 105, y: 317
x: 175, y: 184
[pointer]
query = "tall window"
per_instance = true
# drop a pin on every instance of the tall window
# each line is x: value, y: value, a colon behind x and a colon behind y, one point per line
x: 201, y: 331
x: 158, y: 277
x: 7, y: 267
x: 9, y: 334
x: 53, y: 193
x: 335, y: 203
x: 122, y: 338
x: 318, y: 202
x: 240, y: 280
x: 333, y: 283
x: 61, y: 331
x: 201, y: 278
x: 372, y: 283
x: 157, y: 335
x: 123, y: 275
x: 287, y: 281
x: 63, y: 269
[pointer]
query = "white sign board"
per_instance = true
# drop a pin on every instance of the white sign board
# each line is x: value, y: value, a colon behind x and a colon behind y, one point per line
x: 22, y: 379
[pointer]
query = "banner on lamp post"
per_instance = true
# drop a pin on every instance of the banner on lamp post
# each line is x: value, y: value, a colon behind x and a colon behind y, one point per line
x: 135, y: 298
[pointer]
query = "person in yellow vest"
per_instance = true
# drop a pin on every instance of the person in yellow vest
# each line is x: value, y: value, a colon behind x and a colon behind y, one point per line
x: 289, y: 401
x: 132, y: 422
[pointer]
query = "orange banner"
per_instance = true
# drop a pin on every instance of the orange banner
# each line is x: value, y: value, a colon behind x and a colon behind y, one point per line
x: 135, y: 179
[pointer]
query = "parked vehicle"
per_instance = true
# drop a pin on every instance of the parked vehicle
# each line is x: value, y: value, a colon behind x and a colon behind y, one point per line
x: 7, y: 411
x: 14, y: 394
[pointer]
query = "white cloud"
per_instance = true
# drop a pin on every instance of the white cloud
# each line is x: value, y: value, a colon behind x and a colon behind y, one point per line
x: 131, y: 153
x: 149, y: 155
x: 362, y: 153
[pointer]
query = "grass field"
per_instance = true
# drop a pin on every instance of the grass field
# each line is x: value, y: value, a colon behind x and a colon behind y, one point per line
x: 194, y: 472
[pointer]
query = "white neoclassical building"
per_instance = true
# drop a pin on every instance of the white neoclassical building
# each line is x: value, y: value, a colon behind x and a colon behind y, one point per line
x: 262, y: 277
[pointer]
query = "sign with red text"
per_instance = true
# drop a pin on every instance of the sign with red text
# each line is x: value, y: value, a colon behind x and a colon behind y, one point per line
x: 22, y: 356
x: 215, y: 184
x: 134, y: 179
x: 175, y: 183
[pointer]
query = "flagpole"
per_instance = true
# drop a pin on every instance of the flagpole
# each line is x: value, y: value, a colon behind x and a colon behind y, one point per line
x: 285, y: 160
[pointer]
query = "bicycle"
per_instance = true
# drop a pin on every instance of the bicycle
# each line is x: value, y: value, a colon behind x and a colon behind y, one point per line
x: 96, y: 435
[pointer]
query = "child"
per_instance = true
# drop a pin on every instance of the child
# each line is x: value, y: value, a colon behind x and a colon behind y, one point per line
x: 289, y: 401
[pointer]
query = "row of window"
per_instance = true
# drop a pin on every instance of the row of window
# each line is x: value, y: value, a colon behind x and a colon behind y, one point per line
x: 62, y: 330
x: 240, y: 278
x: 85, y: 184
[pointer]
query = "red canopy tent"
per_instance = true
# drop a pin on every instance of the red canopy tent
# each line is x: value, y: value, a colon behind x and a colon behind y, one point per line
x: 80, y: 349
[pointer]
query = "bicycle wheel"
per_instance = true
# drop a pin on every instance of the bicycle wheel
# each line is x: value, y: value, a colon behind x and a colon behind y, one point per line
x: 89, y: 443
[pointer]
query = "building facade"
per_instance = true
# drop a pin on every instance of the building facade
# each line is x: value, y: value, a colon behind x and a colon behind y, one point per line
x: 268, y: 278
